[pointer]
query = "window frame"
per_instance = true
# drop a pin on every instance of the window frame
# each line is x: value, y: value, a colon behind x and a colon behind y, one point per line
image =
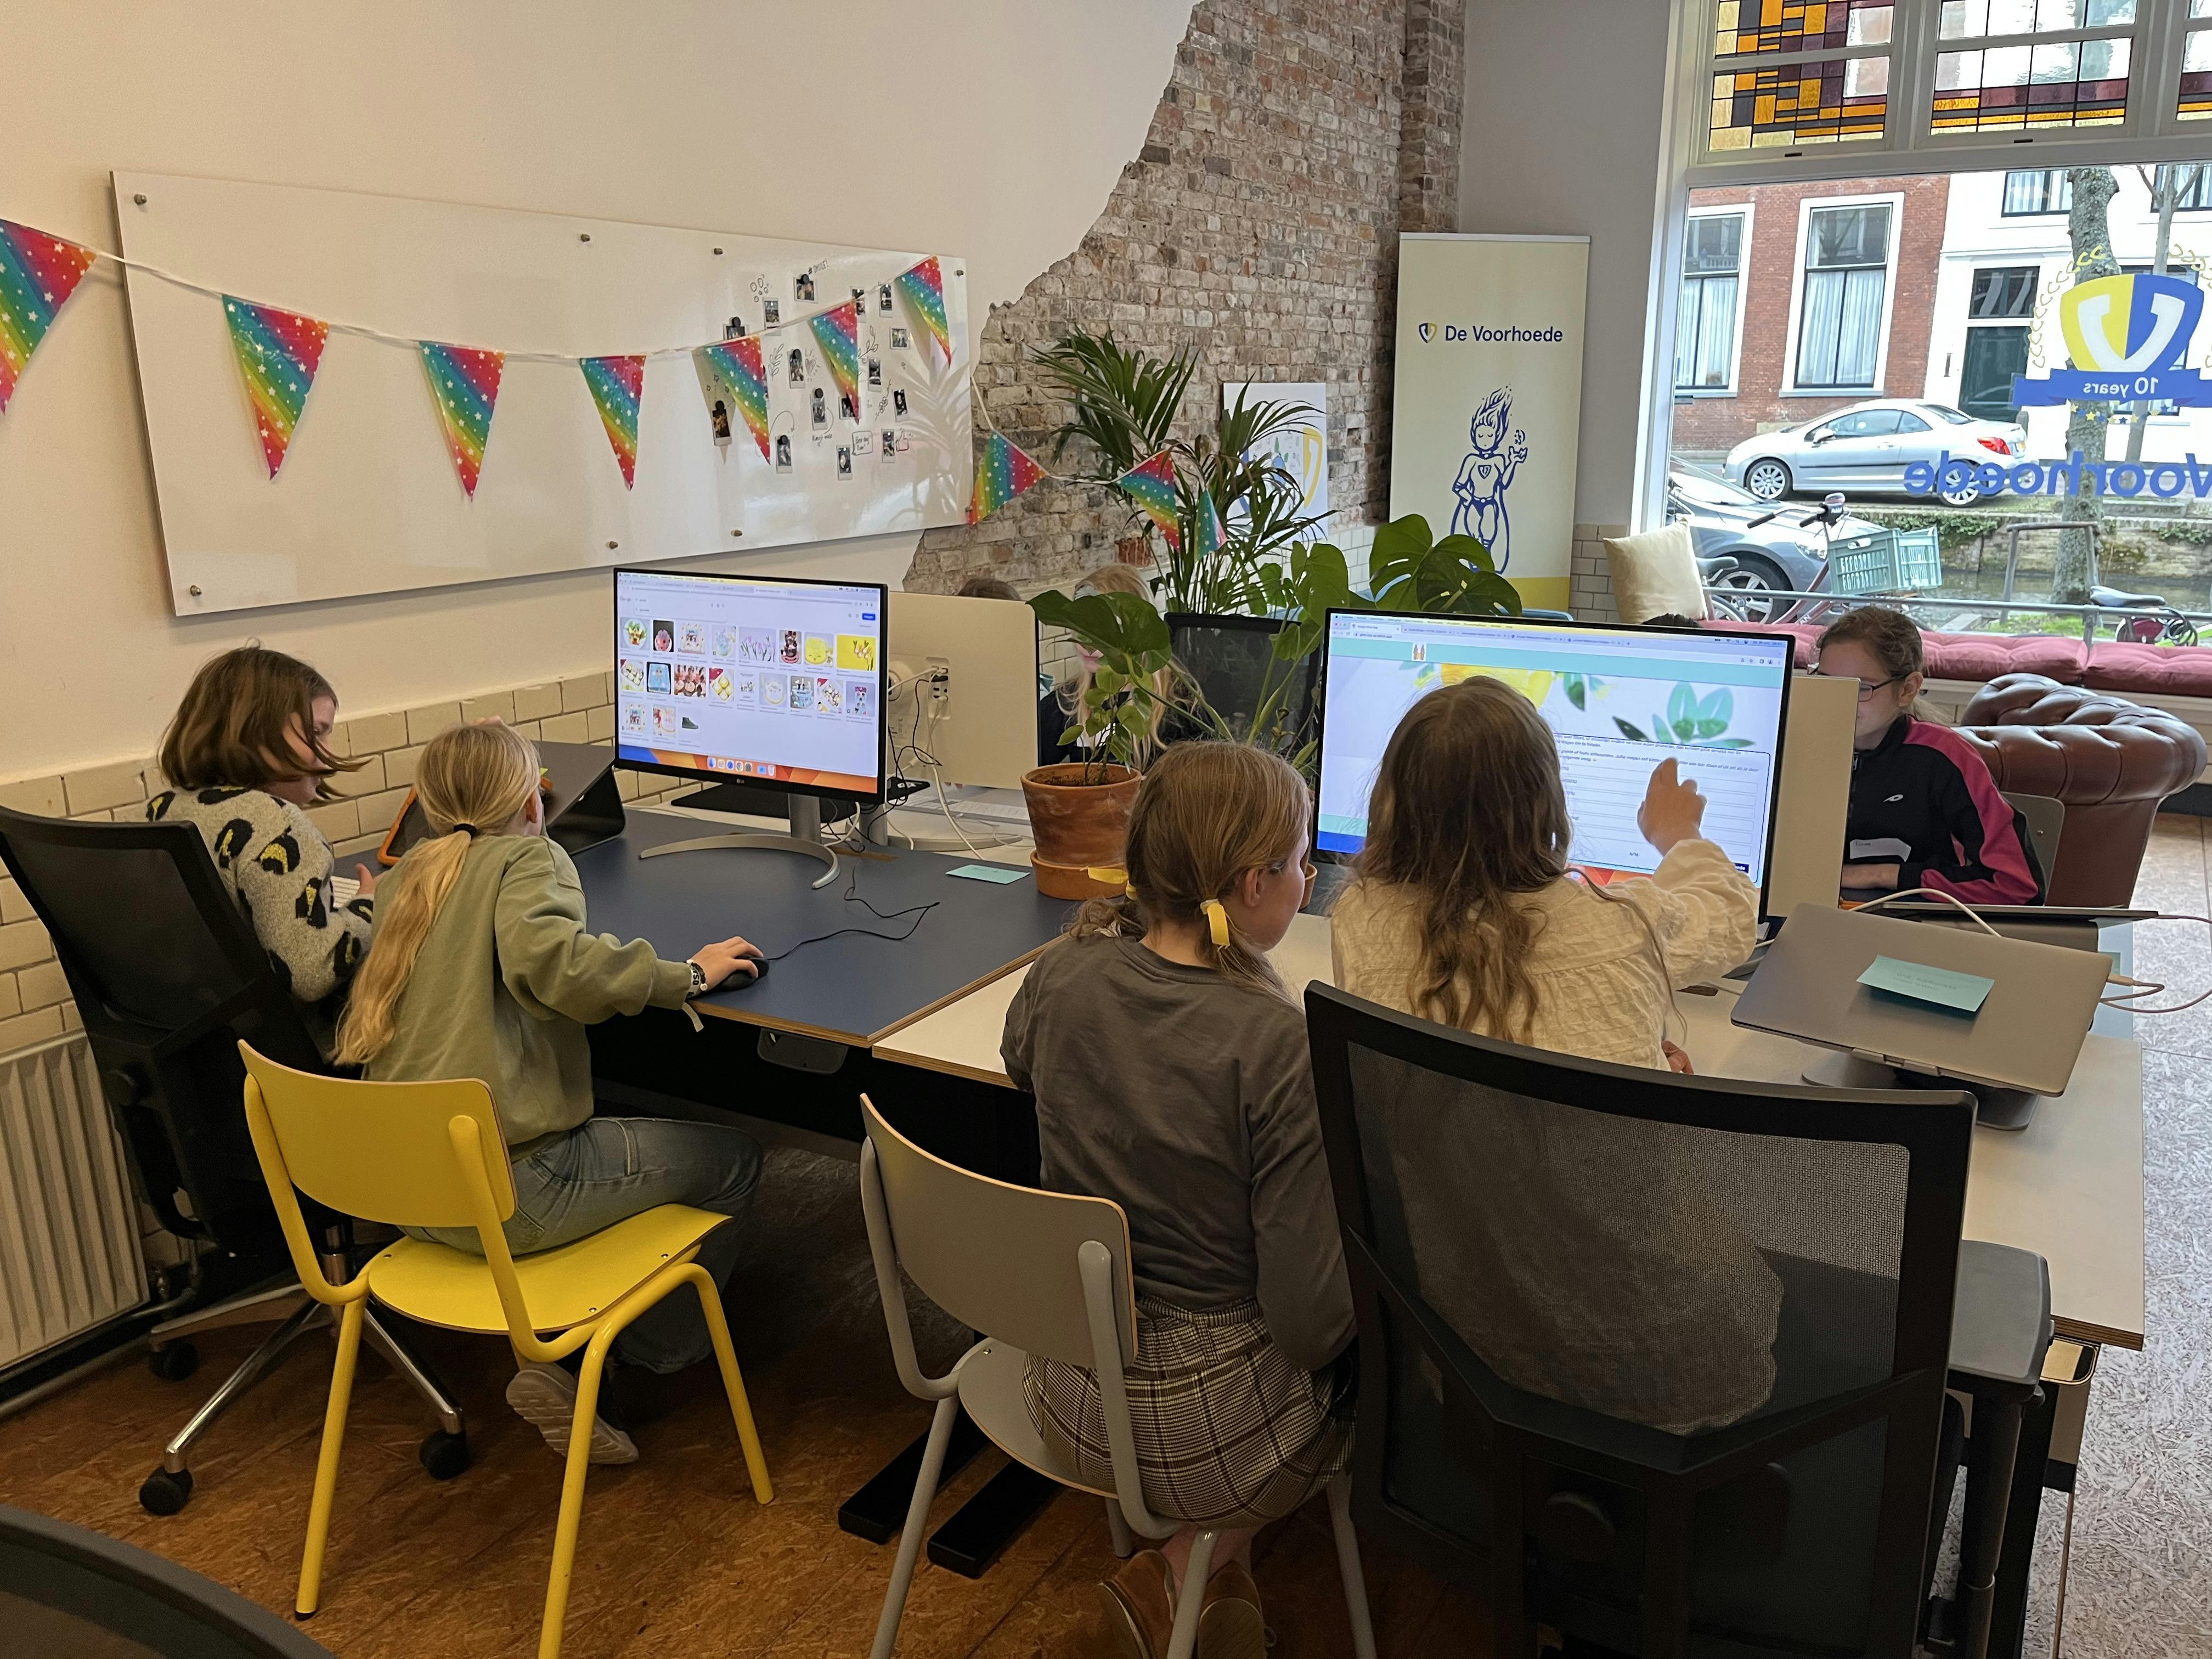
x: 1800, y: 273
x: 2004, y: 212
x: 2151, y: 130
x: 1745, y: 210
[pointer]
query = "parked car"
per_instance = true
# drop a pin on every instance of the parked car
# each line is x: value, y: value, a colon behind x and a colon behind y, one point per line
x: 1868, y: 446
x: 1776, y: 558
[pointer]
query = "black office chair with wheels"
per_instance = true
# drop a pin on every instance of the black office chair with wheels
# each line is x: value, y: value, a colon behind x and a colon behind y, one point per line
x: 1656, y: 1362
x: 168, y: 979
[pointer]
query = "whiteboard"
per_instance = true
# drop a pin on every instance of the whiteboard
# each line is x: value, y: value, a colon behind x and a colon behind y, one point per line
x: 367, y: 501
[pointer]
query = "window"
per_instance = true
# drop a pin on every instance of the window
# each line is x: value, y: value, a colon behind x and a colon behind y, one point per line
x: 2009, y: 65
x: 1839, y: 330
x: 1705, y: 323
x: 2197, y: 67
x: 1907, y: 422
x: 1778, y: 86
x: 2045, y: 190
x: 2190, y: 183
x: 1865, y: 423
x: 2005, y: 291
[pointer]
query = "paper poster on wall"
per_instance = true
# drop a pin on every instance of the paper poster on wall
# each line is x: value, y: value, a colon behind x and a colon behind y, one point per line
x: 1487, y: 413
x: 1300, y: 448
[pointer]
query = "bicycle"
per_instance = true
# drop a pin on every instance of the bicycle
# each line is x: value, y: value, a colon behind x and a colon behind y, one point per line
x: 1733, y: 600
x: 2144, y: 618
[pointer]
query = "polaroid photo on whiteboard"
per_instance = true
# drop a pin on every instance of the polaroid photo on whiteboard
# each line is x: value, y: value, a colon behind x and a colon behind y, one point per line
x: 875, y: 371
x: 734, y: 329
x: 821, y: 410
x: 847, y: 409
x: 890, y: 443
x: 802, y: 289
x: 844, y: 463
x: 883, y: 296
x: 901, y: 340
x: 771, y: 312
x: 720, y: 415
x: 783, y: 451
x: 898, y: 401
x: 797, y: 369
x: 860, y: 301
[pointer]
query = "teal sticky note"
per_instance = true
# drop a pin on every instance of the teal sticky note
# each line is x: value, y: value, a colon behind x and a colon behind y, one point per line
x: 1941, y: 988
x: 1001, y: 873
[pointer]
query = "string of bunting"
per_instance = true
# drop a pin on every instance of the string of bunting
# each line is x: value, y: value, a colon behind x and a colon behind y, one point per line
x: 280, y: 352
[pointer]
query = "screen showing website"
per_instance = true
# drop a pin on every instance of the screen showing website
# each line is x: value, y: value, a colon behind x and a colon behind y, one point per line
x: 751, y: 676
x: 1619, y: 701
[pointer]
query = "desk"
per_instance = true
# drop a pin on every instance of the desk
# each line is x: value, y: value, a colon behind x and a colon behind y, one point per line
x: 840, y: 995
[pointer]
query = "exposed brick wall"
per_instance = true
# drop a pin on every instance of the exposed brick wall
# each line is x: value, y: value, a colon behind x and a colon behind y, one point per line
x: 1258, y: 224
x: 1711, y: 424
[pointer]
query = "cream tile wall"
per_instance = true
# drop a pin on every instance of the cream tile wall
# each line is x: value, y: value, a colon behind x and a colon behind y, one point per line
x: 34, y: 1003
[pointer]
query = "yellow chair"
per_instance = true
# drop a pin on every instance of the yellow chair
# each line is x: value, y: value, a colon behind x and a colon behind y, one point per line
x: 432, y: 1155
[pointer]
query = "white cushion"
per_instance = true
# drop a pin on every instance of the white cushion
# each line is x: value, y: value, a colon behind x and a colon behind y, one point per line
x: 1656, y: 574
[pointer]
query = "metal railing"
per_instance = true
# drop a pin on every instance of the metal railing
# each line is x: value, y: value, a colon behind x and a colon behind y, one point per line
x: 2091, y: 615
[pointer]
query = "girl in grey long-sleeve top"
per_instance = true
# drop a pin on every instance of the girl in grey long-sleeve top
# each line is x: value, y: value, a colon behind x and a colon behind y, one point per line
x: 1170, y: 1071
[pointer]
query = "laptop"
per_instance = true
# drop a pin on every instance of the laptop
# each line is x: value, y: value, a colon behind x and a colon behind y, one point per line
x: 2026, y: 1036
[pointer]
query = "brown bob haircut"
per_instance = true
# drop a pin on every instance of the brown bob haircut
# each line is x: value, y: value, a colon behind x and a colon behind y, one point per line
x: 232, y: 728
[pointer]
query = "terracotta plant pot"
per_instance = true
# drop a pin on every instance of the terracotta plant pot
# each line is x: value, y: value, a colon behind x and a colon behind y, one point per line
x: 1134, y: 549
x: 1077, y: 825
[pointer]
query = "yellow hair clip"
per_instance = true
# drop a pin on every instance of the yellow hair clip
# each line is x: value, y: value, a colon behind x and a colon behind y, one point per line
x: 1110, y: 875
x: 1216, y: 922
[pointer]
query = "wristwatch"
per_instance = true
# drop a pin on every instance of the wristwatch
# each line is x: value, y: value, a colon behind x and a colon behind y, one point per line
x: 698, y: 981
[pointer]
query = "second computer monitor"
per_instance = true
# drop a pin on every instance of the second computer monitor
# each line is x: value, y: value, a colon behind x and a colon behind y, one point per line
x: 1619, y: 701
x: 963, y: 696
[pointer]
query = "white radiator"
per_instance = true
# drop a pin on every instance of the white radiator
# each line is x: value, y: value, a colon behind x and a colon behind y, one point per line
x: 69, y: 1233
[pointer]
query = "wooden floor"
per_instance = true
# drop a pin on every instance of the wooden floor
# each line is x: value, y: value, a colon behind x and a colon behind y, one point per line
x: 676, y: 1558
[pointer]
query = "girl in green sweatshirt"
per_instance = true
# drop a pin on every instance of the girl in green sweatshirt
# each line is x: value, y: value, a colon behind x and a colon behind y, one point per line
x: 480, y: 966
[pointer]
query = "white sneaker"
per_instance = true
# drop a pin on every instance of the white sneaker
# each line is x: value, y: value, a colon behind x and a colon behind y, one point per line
x: 544, y: 1396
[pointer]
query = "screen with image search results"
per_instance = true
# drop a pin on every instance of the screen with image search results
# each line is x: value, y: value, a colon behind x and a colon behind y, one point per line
x: 1619, y: 701
x: 752, y: 677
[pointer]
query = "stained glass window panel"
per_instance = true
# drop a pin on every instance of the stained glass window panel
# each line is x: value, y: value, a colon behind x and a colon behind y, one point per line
x: 2067, y: 84
x: 2196, y: 69
x: 1745, y: 25
x: 1824, y: 102
x: 1975, y: 20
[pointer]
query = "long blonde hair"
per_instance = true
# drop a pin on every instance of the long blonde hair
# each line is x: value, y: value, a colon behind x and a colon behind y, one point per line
x: 1466, y: 813
x: 472, y: 780
x: 1205, y: 814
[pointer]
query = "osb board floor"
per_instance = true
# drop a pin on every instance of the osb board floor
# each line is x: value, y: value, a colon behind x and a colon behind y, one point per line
x: 676, y: 1559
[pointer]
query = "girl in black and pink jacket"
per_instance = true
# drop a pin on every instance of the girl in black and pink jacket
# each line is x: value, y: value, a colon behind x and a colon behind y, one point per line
x: 1925, y: 812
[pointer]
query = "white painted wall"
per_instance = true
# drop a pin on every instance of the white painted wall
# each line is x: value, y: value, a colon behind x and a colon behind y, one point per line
x: 992, y: 127
x: 1562, y: 136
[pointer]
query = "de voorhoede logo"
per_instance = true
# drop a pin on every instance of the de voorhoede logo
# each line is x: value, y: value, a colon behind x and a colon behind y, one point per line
x: 2126, y: 340
x: 1487, y: 334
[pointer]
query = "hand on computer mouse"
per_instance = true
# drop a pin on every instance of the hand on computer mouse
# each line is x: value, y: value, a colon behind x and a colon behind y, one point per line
x: 1673, y: 809
x: 732, y: 957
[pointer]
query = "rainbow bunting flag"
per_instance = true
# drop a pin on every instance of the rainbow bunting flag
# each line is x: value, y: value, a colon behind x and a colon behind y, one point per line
x: 1151, y: 484
x: 924, y: 288
x: 278, y: 352
x: 837, y: 331
x: 1002, y: 473
x: 464, y: 380
x: 737, y: 365
x: 1209, y: 525
x: 618, y: 386
x: 37, y: 273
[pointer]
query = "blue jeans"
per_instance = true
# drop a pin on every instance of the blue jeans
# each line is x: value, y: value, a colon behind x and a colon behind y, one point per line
x: 611, y: 1168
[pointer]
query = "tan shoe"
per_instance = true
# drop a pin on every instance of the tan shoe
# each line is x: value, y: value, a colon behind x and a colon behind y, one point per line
x: 1229, y: 1622
x: 1139, y: 1604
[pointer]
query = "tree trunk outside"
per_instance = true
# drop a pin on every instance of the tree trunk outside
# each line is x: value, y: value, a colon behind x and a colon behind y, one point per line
x: 2088, y: 229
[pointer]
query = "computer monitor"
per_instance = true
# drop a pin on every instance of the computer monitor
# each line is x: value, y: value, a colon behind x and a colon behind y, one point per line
x: 963, y: 696
x: 1619, y: 700
x: 1232, y: 661
x: 775, y: 682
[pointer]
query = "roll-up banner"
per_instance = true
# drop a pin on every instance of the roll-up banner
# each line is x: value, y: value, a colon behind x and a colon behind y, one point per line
x: 1487, y: 410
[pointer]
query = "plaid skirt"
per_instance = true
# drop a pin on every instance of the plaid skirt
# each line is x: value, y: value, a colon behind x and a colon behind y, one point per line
x: 1227, y: 1431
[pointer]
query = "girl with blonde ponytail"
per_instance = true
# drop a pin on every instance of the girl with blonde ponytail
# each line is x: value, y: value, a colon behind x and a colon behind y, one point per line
x: 480, y: 966
x: 1169, y: 1066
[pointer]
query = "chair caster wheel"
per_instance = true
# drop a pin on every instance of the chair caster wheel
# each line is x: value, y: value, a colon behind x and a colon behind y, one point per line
x: 164, y: 1492
x: 172, y: 1362
x: 444, y: 1455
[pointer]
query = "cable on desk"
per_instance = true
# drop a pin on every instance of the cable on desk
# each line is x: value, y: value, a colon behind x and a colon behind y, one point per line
x: 852, y: 895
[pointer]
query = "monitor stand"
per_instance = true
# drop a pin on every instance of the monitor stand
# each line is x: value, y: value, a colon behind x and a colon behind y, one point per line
x: 1994, y: 1108
x: 803, y: 812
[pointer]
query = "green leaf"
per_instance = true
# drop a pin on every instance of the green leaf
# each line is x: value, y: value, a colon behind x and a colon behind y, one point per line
x: 1466, y: 551
x: 1732, y: 742
x: 1576, y: 691
x: 1719, y: 704
x: 1106, y: 622
x: 1682, y: 705
x: 1684, y: 730
x: 1399, y: 548
x: 1107, y: 680
x: 1705, y: 729
x: 1629, y: 730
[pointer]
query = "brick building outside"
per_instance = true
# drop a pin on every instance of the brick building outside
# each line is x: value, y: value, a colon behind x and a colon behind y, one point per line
x: 1798, y: 300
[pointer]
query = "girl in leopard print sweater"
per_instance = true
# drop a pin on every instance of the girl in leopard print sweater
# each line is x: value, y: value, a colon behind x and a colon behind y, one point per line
x: 249, y: 749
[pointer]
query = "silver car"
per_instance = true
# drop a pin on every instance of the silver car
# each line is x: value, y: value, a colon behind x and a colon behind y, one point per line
x: 1868, y: 446
x: 1776, y: 556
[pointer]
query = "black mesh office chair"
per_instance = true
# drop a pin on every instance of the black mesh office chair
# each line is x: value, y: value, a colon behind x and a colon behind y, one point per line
x: 168, y: 978
x: 1657, y: 1363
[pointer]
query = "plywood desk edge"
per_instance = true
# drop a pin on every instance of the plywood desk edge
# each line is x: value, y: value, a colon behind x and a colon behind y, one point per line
x: 952, y: 997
